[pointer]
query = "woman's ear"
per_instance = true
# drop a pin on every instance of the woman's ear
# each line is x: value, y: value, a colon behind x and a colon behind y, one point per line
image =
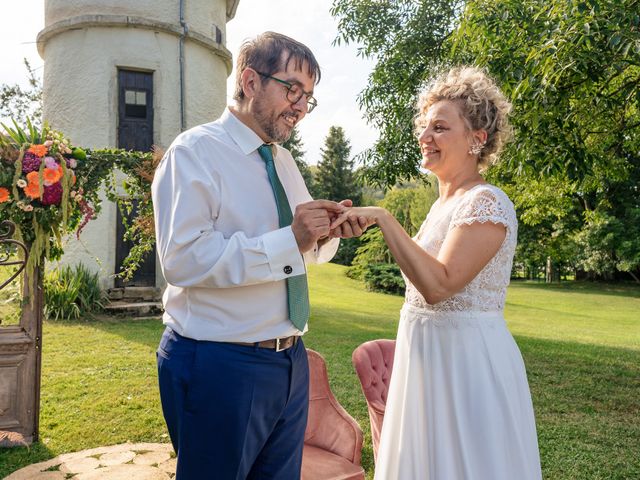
x: 480, y: 136
x: 250, y: 82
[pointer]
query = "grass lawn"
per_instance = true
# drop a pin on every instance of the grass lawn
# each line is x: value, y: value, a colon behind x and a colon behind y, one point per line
x: 581, y: 345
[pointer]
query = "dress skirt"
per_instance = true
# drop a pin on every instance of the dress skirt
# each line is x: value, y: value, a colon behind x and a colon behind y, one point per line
x: 459, y: 406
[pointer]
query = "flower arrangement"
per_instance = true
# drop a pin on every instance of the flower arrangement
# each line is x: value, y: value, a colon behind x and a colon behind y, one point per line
x: 39, y: 189
x: 50, y: 188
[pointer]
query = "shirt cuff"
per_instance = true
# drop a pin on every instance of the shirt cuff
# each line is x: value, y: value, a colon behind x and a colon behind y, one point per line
x: 283, y: 254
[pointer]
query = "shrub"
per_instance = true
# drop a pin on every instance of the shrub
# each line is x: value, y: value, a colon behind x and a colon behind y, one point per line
x: 384, y: 277
x: 346, y: 251
x: 72, y: 292
x: 409, y: 205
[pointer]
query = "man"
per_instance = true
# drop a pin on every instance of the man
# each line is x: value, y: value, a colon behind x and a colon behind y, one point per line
x: 232, y: 367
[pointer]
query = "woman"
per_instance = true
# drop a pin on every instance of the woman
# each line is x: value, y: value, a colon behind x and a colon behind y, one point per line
x: 459, y: 406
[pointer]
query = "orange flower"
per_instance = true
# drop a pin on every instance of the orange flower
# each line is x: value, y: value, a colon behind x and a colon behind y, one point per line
x: 4, y: 195
x: 52, y: 175
x: 38, y: 150
x: 32, y: 177
x: 32, y: 190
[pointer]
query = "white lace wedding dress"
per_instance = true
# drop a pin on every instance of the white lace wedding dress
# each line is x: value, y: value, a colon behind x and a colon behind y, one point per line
x: 459, y: 406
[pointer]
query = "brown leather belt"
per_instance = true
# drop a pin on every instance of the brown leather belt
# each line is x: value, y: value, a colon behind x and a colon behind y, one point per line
x: 277, y: 344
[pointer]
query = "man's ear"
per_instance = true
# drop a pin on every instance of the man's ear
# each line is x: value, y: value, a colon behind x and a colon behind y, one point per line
x: 250, y: 82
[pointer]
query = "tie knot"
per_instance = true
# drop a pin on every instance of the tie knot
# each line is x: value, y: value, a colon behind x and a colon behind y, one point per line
x: 265, y: 152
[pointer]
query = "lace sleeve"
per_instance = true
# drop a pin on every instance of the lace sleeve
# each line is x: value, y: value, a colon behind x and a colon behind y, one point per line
x: 485, y: 204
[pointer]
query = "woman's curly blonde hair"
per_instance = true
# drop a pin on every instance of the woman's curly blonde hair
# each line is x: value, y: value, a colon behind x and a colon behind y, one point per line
x: 482, y: 105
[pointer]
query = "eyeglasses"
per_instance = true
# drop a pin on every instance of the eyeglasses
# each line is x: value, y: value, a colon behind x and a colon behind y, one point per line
x: 294, y: 92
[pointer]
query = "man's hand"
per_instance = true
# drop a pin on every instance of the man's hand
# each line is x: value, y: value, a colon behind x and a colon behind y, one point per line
x: 311, y: 222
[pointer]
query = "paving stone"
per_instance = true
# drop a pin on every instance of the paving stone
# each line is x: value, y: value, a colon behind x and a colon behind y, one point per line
x: 23, y: 474
x: 116, y: 458
x: 124, y: 472
x: 85, y: 465
x: 79, y: 465
x: 169, y: 466
x: 151, y: 458
x: 29, y: 472
x: 49, y: 476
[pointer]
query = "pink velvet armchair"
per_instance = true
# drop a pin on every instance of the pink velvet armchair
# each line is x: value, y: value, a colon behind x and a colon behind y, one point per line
x: 373, y: 362
x: 333, y: 439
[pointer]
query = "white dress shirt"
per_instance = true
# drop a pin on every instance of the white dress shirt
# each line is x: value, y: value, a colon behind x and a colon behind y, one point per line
x: 221, y: 250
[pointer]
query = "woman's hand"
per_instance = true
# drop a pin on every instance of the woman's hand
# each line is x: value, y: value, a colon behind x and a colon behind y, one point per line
x: 354, y: 221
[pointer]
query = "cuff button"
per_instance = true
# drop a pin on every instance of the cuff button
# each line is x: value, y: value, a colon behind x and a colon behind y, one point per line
x: 288, y: 269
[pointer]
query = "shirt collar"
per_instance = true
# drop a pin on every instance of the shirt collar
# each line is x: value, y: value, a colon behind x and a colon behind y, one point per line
x: 242, y: 135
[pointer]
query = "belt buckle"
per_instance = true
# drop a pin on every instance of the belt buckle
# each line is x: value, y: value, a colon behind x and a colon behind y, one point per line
x: 278, y: 348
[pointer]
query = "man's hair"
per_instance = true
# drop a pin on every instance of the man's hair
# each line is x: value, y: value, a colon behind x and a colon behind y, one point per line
x: 264, y: 54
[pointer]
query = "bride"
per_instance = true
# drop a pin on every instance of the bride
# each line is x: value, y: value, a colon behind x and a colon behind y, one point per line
x: 459, y: 406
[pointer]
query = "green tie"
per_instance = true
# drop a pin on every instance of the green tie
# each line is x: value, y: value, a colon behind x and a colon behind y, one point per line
x: 297, y: 289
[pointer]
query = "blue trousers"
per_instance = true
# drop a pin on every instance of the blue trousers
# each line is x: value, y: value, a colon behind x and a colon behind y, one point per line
x: 233, y: 412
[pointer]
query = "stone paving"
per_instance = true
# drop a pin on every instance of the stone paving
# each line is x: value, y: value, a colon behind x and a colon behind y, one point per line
x: 129, y: 461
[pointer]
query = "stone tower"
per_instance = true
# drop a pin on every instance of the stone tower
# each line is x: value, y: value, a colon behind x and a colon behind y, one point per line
x: 130, y: 74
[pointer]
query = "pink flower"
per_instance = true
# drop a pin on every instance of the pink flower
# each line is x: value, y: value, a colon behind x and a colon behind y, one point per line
x: 52, y: 194
x: 50, y: 162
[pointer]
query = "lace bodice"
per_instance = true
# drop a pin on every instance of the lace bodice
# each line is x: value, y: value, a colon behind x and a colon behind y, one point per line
x: 487, y: 291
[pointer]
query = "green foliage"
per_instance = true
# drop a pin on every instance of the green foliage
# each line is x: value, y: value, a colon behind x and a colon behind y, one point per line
x: 406, y: 38
x: 10, y: 295
x: 61, y: 290
x: 42, y: 225
x: 409, y: 204
x: 384, y: 277
x: 294, y: 145
x: 18, y: 102
x: 607, y: 244
x: 572, y: 71
x: 72, y: 292
x: 347, y: 251
x: 335, y: 178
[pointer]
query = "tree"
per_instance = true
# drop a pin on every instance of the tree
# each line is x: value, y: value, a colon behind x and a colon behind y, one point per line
x: 20, y: 103
x: 336, y: 180
x: 373, y: 262
x: 335, y: 177
x: 407, y: 40
x: 572, y: 70
x: 295, y: 146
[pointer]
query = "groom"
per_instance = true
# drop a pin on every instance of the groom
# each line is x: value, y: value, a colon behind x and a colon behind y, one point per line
x: 234, y: 227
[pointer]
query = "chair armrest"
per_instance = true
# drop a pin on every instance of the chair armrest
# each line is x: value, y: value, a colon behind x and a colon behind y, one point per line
x: 331, y: 428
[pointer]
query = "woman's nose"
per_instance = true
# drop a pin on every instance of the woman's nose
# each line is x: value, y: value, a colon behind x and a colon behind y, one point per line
x: 425, y: 136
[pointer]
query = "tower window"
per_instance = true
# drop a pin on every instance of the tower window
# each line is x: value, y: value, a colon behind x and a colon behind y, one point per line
x: 135, y: 103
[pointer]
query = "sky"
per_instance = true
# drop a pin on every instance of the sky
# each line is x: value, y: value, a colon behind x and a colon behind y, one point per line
x: 344, y: 74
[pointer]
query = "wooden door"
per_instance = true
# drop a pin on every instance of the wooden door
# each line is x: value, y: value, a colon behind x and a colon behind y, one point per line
x: 20, y: 349
x: 135, y: 132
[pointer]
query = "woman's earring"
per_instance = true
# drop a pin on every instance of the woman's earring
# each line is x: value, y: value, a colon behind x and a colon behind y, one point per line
x: 476, y: 149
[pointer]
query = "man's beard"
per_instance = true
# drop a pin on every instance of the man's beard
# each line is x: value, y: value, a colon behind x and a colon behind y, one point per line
x: 268, y: 122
